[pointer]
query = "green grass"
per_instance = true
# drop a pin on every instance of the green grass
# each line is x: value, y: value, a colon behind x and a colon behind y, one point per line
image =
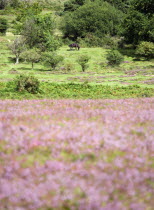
x: 97, y: 75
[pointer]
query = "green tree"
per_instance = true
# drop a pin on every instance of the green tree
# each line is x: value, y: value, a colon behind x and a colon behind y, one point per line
x: 95, y: 18
x: 51, y: 59
x: 27, y: 10
x: 32, y: 55
x: 38, y: 32
x: 3, y: 25
x: 135, y: 27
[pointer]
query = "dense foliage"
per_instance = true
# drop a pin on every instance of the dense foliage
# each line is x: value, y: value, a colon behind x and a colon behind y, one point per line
x: 3, y: 25
x: 51, y: 59
x: 26, y: 83
x: 95, y: 18
x: 114, y: 58
x: 76, y: 91
x: 38, y: 32
x: 145, y: 49
x: 81, y: 19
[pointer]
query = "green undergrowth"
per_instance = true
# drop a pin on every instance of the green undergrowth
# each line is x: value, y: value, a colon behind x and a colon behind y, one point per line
x: 76, y: 91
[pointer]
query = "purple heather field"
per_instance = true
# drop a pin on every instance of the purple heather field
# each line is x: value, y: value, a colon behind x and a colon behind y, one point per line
x: 77, y: 154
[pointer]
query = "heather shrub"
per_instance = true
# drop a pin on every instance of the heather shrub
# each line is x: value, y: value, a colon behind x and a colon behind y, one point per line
x: 146, y: 50
x: 114, y: 57
x: 27, y: 83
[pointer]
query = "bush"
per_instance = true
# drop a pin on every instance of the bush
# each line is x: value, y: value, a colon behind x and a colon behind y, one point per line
x: 114, y: 57
x: 27, y: 83
x: 83, y: 60
x: 52, y: 59
x: 3, y: 25
x: 69, y: 67
x: 145, y: 49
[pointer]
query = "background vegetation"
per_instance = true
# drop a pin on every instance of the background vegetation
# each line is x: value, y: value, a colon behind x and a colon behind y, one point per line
x: 116, y: 40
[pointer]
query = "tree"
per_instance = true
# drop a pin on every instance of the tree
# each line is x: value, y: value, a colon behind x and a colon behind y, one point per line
x: 95, y: 18
x: 3, y: 25
x: 82, y: 61
x: 135, y: 27
x: 17, y: 47
x: 32, y: 56
x: 28, y: 10
x: 38, y: 32
x: 52, y: 59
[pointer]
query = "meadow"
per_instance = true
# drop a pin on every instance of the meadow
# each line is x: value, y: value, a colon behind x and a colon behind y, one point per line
x: 130, y: 72
x: 77, y: 154
x: 132, y: 79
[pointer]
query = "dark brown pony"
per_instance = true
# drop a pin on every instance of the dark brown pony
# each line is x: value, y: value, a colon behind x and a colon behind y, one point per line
x: 74, y: 45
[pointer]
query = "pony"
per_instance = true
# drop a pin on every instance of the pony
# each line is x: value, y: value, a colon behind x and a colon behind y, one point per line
x: 74, y: 45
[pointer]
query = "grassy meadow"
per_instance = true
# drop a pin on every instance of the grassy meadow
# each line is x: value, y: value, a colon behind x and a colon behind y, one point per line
x: 131, y: 74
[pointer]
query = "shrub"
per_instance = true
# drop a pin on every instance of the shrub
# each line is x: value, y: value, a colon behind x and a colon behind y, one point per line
x: 27, y: 83
x: 83, y: 60
x: 145, y: 49
x: 69, y: 67
x: 114, y: 57
x: 52, y: 59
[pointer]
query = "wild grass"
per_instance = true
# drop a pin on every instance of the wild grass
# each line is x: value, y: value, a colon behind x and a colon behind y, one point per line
x: 98, y: 74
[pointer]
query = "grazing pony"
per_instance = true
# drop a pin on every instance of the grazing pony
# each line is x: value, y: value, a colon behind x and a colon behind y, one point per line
x: 76, y: 46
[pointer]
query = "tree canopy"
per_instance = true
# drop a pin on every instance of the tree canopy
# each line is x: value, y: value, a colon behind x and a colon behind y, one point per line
x: 92, y: 18
x: 38, y: 32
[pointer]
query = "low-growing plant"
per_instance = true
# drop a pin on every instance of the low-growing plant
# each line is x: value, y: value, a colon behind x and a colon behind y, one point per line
x: 69, y: 67
x: 82, y: 61
x: 114, y: 58
x: 146, y: 50
x: 27, y: 83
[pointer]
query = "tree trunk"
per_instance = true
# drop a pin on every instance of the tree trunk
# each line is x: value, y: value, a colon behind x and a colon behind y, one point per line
x: 17, y: 59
